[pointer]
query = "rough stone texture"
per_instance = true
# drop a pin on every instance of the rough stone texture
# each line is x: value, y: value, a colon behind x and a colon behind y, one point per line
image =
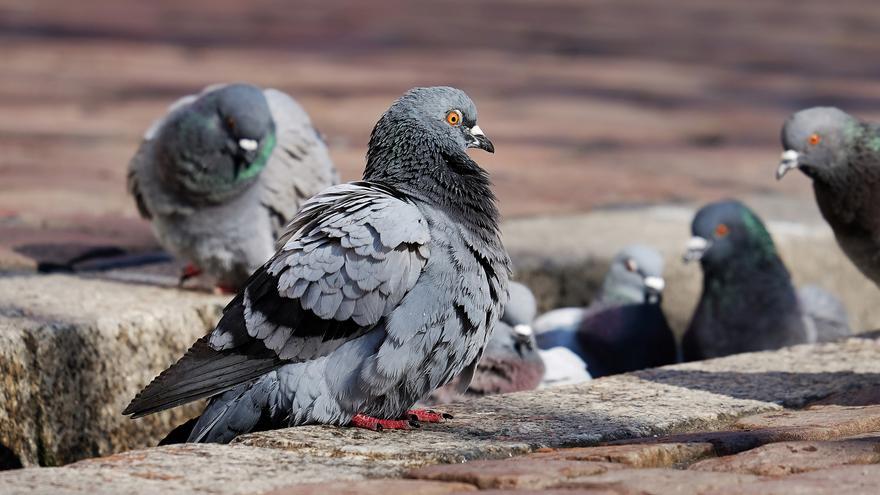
x: 784, y: 458
x: 512, y: 474
x: 375, y: 487
x: 74, y: 351
x: 569, y: 270
x: 661, y: 481
x: 676, y: 399
x: 634, y: 455
x: 816, y: 422
x: 846, y: 480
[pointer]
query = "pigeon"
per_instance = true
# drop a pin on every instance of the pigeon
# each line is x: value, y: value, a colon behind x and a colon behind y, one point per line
x: 749, y: 302
x: 381, y: 291
x: 511, y: 362
x: 842, y: 156
x: 223, y: 172
x: 625, y: 328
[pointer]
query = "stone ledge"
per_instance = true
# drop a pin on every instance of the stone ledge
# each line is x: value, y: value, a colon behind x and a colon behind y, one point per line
x: 74, y: 351
x: 666, y: 401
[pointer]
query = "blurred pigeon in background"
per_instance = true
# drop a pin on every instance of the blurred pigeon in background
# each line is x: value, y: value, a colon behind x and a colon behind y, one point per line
x: 624, y: 329
x: 223, y: 172
x: 511, y: 362
x: 842, y: 156
x: 748, y: 301
x: 381, y: 291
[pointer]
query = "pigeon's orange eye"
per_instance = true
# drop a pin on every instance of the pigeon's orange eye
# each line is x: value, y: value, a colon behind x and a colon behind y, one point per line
x: 453, y: 118
x: 814, y: 139
x: 721, y: 230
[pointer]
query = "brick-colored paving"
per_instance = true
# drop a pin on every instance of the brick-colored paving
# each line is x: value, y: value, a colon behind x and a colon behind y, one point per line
x: 589, y: 103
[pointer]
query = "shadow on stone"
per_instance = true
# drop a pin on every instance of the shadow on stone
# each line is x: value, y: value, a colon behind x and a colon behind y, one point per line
x: 8, y: 459
x: 780, y: 387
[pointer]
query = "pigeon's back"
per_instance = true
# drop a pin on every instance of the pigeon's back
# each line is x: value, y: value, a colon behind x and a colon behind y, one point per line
x: 300, y: 165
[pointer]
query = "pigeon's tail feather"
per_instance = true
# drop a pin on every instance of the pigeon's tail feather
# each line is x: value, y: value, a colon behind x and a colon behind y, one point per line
x: 240, y: 410
x: 201, y: 372
x: 825, y: 315
x: 179, y: 434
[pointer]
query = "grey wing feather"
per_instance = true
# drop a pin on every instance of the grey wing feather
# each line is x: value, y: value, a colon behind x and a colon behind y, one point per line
x: 824, y: 314
x: 354, y: 253
x: 300, y: 165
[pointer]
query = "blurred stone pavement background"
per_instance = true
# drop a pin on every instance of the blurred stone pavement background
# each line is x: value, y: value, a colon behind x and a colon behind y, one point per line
x: 591, y: 104
x: 612, y: 120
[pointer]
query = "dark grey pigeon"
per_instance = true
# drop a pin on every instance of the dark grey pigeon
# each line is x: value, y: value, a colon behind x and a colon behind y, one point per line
x: 223, y: 172
x: 842, y: 156
x: 624, y: 329
x: 511, y: 362
x: 748, y: 301
x: 380, y: 292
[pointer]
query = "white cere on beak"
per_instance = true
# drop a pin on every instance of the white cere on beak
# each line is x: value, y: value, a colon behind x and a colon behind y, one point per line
x: 524, y: 330
x: 695, y: 248
x: 248, y: 144
x: 476, y: 131
x: 787, y: 161
x: 655, y: 283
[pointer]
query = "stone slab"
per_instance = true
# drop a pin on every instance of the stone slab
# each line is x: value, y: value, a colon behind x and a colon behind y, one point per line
x: 648, y: 404
x: 74, y: 351
x: 846, y: 480
x: 784, y: 458
x: 376, y: 487
x: 634, y: 455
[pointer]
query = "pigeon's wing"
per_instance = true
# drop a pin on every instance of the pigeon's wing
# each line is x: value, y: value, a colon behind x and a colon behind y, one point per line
x: 345, y: 263
x: 299, y: 166
x: 138, y: 175
x: 825, y: 316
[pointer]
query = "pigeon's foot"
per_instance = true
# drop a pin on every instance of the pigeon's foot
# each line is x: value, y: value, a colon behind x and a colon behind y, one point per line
x: 376, y: 424
x: 428, y: 416
x: 188, y: 272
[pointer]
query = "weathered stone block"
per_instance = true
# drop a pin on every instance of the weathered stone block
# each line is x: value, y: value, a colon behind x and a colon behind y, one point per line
x: 74, y: 351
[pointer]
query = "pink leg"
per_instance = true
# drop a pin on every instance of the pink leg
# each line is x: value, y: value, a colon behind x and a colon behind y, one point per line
x: 376, y: 424
x: 428, y: 416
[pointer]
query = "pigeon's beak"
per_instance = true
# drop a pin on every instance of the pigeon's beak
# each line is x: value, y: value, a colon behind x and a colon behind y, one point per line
x: 479, y: 140
x: 695, y: 249
x: 787, y: 161
x: 248, y: 144
x: 523, y: 338
x: 653, y: 288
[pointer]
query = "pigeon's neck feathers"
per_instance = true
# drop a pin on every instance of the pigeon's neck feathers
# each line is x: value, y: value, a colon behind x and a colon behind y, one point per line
x: 410, y: 161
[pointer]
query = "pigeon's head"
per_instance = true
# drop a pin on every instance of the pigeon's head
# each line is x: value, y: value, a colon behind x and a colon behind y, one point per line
x: 217, y: 145
x: 816, y: 141
x: 422, y: 124
x: 727, y: 231
x: 634, y: 277
x: 521, y: 306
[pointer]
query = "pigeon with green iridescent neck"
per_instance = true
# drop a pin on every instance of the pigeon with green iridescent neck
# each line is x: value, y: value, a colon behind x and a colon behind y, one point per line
x: 749, y: 302
x: 841, y: 154
x: 223, y: 172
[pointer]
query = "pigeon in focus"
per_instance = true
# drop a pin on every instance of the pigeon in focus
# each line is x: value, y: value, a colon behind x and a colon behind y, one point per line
x: 748, y: 301
x: 223, y: 172
x: 842, y: 156
x: 624, y: 329
x: 380, y: 292
x: 511, y: 362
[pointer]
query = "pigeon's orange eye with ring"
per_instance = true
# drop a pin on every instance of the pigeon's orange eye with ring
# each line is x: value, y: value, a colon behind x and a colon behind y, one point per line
x: 814, y: 139
x: 453, y: 118
x: 721, y: 230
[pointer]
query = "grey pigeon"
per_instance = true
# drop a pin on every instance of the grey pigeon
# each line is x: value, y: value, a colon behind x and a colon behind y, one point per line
x: 624, y: 329
x: 842, y: 156
x: 748, y: 301
x: 511, y: 362
x: 222, y: 173
x: 380, y: 292
x: 825, y: 316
